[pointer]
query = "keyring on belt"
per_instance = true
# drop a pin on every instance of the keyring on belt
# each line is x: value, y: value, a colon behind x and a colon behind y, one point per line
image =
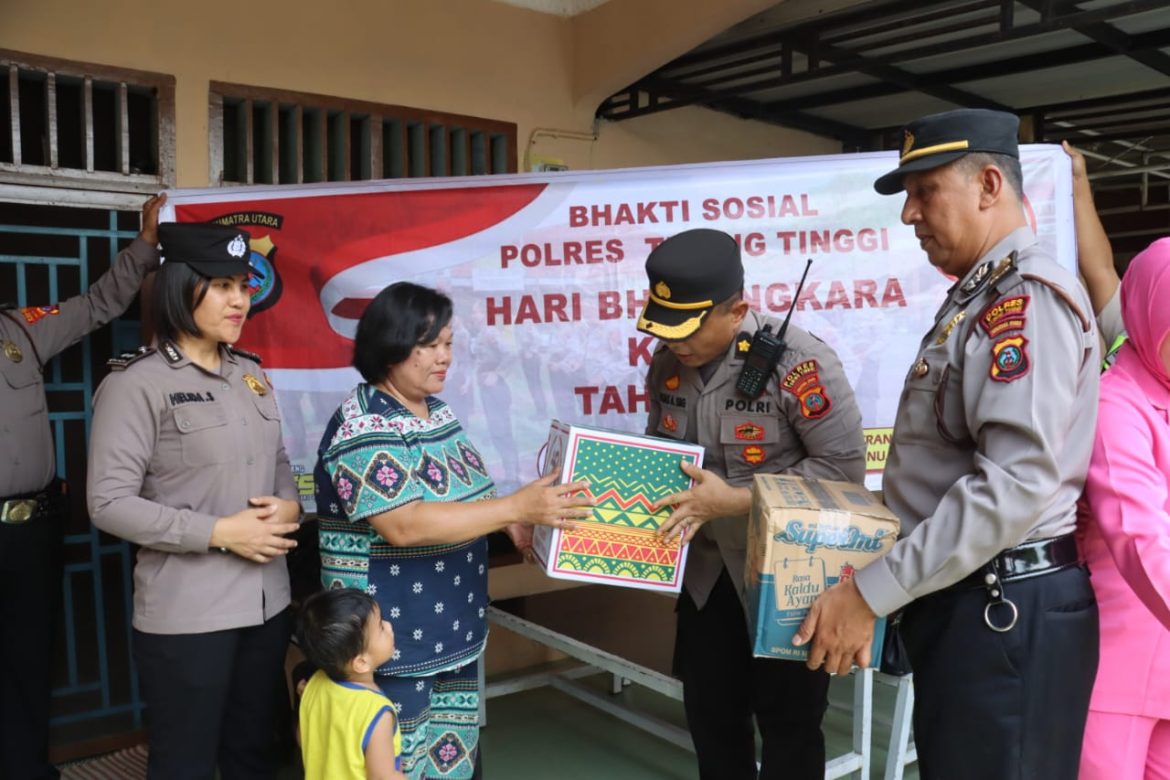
x: 995, y: 597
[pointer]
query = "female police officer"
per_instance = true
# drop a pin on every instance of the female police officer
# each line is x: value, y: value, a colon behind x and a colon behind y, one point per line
x: 186, y: 461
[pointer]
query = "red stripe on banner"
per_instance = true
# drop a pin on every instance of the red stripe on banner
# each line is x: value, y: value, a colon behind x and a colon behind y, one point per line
x: 318, y: 237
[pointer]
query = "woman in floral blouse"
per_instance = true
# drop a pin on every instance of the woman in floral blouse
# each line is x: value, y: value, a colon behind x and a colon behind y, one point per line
x: 405, y: 503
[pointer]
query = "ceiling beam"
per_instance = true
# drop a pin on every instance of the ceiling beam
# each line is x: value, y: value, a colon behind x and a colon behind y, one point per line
x: 848, y: 134
x: 1085, y: 52
x: 903, y: 78
x: 1119, y: 41
x: 813, y: 30
x: 1017, y: 65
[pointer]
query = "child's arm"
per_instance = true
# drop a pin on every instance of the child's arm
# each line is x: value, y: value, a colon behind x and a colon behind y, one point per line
x: 379, y: 749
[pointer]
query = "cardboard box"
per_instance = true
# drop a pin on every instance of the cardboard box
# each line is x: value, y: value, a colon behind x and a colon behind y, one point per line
x: 627, y: 474
x: 804, y: 536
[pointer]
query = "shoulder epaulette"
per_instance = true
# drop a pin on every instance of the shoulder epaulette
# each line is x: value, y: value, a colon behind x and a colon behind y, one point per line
x: 244, y: 354
x: 1006, y: 274
x: 126, y: 359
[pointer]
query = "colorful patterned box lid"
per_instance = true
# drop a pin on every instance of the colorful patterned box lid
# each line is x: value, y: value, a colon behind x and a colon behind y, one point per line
x: 626, y: 474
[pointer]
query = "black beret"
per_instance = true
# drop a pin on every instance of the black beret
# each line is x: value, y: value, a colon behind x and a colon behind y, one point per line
x: 212, y: 250
x: 689, y: 273
x: 938, y: 139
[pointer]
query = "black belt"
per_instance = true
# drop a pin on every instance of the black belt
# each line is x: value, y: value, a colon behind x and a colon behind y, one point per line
x: 36, y: 505
x: 1027, y: 560
x: 1022, y: 562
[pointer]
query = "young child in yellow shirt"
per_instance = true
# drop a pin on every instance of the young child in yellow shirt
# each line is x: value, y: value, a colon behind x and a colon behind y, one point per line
x: 348, y: 728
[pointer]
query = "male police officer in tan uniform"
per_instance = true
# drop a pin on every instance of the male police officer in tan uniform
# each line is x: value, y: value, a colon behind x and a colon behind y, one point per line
x: 804, y: 422
x: 990, y: 449
x: 32, y: 508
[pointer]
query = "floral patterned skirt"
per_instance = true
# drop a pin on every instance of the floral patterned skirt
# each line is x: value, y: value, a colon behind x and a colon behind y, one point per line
x: 438, y: 716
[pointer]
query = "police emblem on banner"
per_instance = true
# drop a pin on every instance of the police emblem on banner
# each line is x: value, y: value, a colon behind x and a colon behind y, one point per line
x: 265, y: 285
x: 1009, y: 359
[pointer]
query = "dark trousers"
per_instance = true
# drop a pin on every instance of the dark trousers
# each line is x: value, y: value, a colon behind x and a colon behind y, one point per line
x: 1010, y: 706
x: 30, y: 593
x: 724, y: 687
x: 215, y: 699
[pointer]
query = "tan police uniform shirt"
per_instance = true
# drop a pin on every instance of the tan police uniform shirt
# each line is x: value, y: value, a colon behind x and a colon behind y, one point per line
x: 26, y: 444
x: 995, y: 424
x: 806, y: 422
x: 173, y: 448
x: 1109, y: 321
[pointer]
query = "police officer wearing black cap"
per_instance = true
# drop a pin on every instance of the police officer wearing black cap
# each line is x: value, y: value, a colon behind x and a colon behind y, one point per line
x: 989, y: 454
x: 804, y: 422
x: 186, y: 461
x: 33, y: 509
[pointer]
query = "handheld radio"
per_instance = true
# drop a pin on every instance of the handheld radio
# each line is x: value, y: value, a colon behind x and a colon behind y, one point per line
x: 766, y: 350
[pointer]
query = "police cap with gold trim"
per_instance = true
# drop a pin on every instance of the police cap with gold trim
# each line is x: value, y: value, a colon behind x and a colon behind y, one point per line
x: 689, y: 273
x: 211, y: 250
x: 938, y: 139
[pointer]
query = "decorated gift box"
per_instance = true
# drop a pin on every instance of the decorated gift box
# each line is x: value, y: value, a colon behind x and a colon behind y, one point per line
x: 804, y: 536
x: 626, y: 475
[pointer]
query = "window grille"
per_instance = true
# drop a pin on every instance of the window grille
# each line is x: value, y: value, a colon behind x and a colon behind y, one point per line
x: 266, y: 136
x: 80, y: 125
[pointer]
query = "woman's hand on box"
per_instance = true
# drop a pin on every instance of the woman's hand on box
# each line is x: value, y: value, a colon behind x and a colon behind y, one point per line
x: 543, y: 503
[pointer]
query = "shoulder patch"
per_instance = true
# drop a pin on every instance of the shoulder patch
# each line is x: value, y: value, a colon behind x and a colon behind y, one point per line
x: 127, y: 359
x: 804, y: 382
x: 33, y: 314
x: 1005, y: 315
x: 801, y: 376
x: 1009, y: 359
x: 244, y: 354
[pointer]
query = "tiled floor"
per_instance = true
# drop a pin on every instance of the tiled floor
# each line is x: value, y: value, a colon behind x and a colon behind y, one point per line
x: 541, y: 734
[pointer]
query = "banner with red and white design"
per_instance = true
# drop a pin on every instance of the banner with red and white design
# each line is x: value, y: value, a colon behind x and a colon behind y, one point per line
x: 546, y: 272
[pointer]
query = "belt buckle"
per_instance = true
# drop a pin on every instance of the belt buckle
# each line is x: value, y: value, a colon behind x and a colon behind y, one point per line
x: 18, y: 511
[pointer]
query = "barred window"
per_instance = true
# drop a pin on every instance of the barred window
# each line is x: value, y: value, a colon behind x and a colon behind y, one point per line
x: 81, y: 125
x: 266, y: 136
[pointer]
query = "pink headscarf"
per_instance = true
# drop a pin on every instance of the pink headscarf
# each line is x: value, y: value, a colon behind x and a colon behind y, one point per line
x: 1145, y: 305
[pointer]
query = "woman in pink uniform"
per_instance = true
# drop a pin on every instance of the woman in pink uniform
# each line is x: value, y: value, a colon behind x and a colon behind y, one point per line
x: 1126, y: 537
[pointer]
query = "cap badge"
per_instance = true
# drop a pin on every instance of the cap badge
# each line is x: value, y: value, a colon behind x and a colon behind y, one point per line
x: 255, y: 385
x: 12, y: 352
x: 907, y: 142
x: 237, y: 247
x: 662, y: 291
